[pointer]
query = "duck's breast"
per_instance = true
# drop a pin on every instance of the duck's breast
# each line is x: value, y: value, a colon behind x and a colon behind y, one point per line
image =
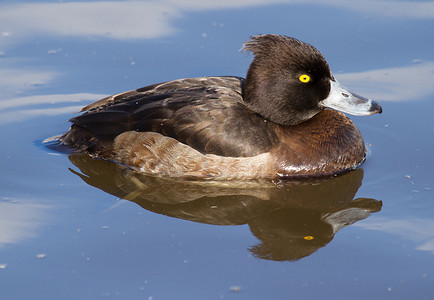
x: 329, y: 143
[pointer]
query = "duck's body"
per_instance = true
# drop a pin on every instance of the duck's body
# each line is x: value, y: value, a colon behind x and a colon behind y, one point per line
x: 225, y: 127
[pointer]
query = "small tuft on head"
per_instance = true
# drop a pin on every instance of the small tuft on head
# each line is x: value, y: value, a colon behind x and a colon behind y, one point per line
x: 281, y: 47
x: 263, y: 43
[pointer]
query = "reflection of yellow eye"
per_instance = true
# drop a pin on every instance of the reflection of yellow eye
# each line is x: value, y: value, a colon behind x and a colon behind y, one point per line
x: 304, y: 78
x: 308, y: 237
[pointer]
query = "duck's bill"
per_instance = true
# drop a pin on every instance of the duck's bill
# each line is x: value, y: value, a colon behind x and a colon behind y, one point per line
x: 343, y: 100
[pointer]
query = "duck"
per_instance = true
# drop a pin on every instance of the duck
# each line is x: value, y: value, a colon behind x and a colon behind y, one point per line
x: 285, y: 119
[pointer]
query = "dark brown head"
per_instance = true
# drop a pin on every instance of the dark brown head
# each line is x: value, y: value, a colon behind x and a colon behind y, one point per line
x: 289, y: 82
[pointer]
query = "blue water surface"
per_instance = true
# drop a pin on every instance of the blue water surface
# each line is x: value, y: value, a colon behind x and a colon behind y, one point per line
x: 73, y: 228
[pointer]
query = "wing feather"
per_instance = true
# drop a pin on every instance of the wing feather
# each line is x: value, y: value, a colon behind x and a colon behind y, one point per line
x: 205, y: 113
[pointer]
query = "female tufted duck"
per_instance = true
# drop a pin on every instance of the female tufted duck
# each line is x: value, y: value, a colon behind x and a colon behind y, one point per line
x: 272, y: 124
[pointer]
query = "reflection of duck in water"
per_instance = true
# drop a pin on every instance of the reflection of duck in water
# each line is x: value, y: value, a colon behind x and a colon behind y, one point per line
x: 292, y: 219
x: 271, y: 124
x: 293, y: 233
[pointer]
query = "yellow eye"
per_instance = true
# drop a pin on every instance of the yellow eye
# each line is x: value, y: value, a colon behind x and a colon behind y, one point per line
x: 304, y: 78
x: 308, y: 238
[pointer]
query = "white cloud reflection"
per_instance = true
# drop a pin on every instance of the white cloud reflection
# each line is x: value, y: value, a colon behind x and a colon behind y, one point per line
x: 48, y: 99
x: 420, y: 231
x: 150, y: 19
x: 11, y: 110
x: 114, y: 19
x: 14, y: 80
x: 395, y: 9
x: 20, y: 219
x: 395, y: 84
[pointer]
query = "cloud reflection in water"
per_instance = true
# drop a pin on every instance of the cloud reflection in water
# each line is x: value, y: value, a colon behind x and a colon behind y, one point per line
x: 114, y: 19
x: 20, y: 219
x: 394, y: 84
x: 16, y: 80
x: 19, y: 109
x: 420, y: 231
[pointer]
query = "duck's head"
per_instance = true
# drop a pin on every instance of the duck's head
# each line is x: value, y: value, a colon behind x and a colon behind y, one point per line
x: 289, y: 82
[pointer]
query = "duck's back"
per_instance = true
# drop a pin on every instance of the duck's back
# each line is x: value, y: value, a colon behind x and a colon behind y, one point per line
x: 205, y: 113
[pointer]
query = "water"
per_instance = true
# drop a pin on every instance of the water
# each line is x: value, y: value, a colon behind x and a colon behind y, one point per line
x: 74, y: 228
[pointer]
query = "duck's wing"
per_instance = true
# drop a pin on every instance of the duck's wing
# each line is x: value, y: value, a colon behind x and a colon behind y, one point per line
x: 204, y: 113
